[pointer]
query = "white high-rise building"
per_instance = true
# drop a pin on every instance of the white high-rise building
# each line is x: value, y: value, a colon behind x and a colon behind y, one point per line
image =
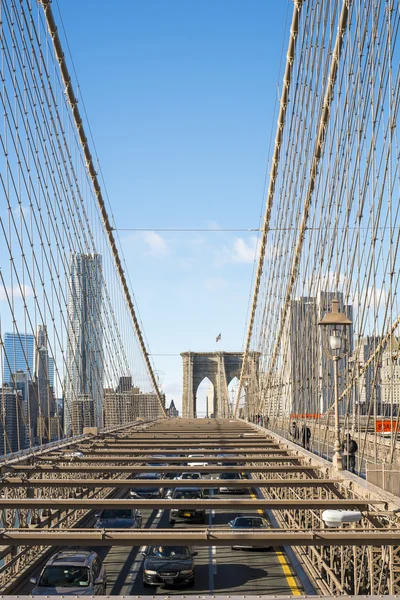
x: 367, y: 386
x: 210, y: 401
x: 84, y: 368
x: 390, y: 374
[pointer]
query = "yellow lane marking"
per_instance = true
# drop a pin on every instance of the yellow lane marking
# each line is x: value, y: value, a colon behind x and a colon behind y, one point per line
x: 288, y: 572
x: 286, y: 568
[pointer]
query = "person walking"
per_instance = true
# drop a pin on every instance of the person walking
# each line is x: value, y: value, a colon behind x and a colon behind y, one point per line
x: 308, y: 438
x: 294, y: 432
x: 349, y: 449
x: 303, y: 435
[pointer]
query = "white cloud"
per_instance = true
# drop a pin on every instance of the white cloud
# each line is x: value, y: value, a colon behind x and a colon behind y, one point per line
x: 156, y: 244
x: 15, y: 292
x: 240, y: 252
x: 244, y: 252
x: 20, y: 208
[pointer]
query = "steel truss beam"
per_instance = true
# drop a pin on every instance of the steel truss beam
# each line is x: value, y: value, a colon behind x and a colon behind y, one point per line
x: 93, y: 451
x: 199, y: 446
x: 177, y: 459
x: 167, y: 503
x: 17, y: 482
x: 199, y: 537
x: 77, y: 468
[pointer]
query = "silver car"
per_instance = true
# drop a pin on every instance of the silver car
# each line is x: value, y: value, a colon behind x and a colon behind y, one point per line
x: 118, y: 518
x: 71, y: 573
x: 248, y: 523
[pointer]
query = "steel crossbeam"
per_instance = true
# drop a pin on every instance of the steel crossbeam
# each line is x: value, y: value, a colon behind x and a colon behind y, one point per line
x: 92, y: 451
x: 17, y: 482
x: 167, y: 503
x: 199, y: 537
x: 177, y: 459
x: 77, y: 468
x: 199, y: 446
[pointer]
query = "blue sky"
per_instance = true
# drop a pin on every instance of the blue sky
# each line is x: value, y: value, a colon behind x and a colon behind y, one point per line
x: 180, y: 96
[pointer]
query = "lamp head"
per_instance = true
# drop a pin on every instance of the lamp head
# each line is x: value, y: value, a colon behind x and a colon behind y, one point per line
x: 335, y: 317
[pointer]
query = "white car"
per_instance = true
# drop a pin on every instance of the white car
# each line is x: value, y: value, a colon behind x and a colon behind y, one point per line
x: 197, y: 463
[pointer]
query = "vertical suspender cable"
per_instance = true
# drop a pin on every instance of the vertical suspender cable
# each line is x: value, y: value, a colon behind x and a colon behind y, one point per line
x: 318, y: 153
x: 294, y: 28
x: 96, y: 185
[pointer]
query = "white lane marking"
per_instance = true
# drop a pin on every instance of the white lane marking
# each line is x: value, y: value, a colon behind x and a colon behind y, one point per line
x: 212, y: 567
x: 214, y: 560
x: 134, y: 571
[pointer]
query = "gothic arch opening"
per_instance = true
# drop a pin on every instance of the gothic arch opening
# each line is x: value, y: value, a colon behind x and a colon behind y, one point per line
x: 233, y: 386
x: 204, y: 400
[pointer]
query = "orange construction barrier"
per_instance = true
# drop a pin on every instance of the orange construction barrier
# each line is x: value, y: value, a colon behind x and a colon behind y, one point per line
x: 387, y: 425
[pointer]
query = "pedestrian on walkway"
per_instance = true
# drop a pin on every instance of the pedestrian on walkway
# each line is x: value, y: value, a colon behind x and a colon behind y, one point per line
x: 294, y: 432
x: 303, y: 435
x: 308, y: 438
x: 349, y: 449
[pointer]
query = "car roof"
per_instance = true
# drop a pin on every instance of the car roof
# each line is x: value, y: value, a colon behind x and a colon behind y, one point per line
x: 147, y: 476
x: 188, y: 489
x: 72, y: 557
x: 249, y: 517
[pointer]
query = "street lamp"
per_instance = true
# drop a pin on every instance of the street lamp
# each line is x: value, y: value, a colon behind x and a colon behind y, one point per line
x: 335, y: 345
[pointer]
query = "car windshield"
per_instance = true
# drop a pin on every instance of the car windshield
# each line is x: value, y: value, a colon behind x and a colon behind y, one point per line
x: 170, y: 552
x: 65, y: 576
x: 248, y: 522
x: 191, y: 476
x: 119, y: 513
x: 187, y: 494
x: 148, y: 476
x: 230, y: 476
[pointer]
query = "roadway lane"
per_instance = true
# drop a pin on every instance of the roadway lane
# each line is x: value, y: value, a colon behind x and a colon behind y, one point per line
x: 217, y: 570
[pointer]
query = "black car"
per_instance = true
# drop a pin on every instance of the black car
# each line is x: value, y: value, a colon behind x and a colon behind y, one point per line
x: 187, y: 514
x: 147, y: 492
x: 168, y: 565
x: 224, y: 486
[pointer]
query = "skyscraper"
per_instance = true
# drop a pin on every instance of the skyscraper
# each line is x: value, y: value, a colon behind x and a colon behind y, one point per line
x: 42, y: 377
x: 307, y: 374
x: 18, y: 354
x: 84, y: 368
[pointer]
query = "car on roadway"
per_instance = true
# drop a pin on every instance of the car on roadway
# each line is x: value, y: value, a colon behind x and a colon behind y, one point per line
x: 168, y: 566
x: 118, y: 518
x: 153, y: 462
x: 189, y: 476
x: 225, y: 460
x: 145, y: 491
x: 246, y: 523
x: 71, y: 573
x: 198, y: 462
x: 223, y: 482
x: 187, y: 514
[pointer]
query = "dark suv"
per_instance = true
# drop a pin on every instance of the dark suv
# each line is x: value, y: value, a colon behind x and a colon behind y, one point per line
x: 145, y: 491
x: 168, y: 565
x: 187, y: 514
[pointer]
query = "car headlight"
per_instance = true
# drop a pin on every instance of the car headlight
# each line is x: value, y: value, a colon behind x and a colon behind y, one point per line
x: 187, y: 572
x: 150, y: 572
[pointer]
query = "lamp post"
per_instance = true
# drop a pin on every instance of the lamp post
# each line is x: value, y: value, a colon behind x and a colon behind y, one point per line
x: 335, y: 345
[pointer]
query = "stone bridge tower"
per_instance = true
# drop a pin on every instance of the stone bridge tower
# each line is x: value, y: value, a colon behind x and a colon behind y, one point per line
x: 220, y: 368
